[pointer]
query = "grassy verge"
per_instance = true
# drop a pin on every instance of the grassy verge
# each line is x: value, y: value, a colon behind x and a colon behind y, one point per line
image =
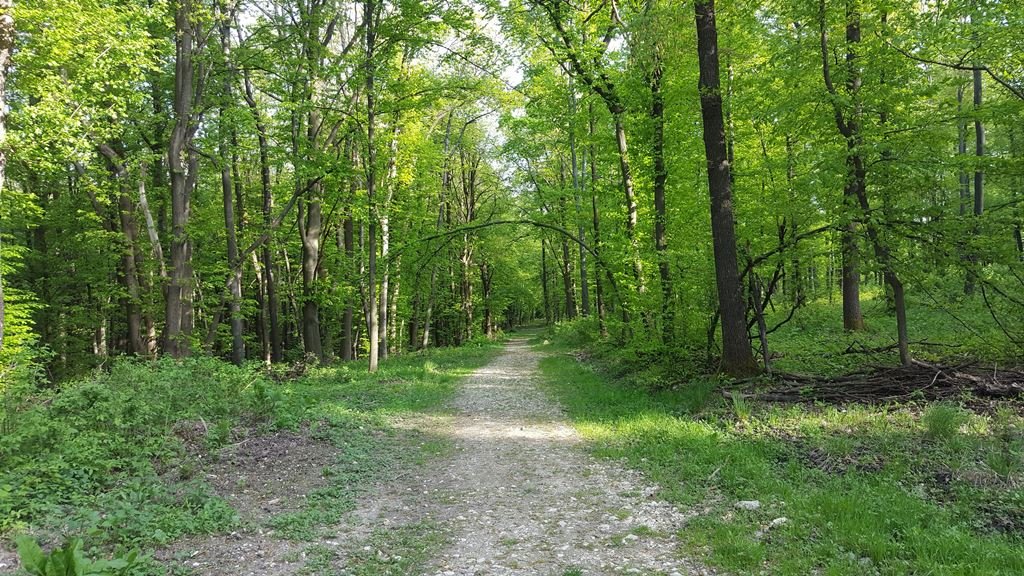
x: 112, y: 459
x: 863, y: 490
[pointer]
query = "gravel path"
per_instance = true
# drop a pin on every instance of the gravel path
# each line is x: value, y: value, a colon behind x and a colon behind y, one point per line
x: 519, y: 494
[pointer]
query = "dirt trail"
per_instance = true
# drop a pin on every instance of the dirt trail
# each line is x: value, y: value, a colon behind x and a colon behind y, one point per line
x: 519, y: 494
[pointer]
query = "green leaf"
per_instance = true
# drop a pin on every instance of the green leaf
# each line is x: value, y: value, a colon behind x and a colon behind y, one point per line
x: 32, y: 558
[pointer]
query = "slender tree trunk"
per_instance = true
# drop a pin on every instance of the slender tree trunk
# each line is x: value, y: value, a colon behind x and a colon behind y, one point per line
x: 567, y: 281
x: 266, y: 253
x: 129, y: 269
x: 660, y: 212
x: 393, y: 338
x: 979, y: 172
x: 961, y: 149
x: 544, y: 280
x: 581, y: 229
x: 370, y: 34
x: 849, y: 126
x: 227, y: 192
x: 385, y: 241
x: 631, y: 205
x: 598, y: 284
x: 180, y: 158
x: 737, y: 358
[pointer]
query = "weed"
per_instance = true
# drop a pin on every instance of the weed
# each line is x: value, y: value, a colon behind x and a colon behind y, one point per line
x: 69, y: 560
x: 740, y: 406
x: 943, y: 421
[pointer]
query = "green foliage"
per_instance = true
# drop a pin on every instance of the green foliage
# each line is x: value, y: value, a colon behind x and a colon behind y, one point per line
x: 943, y: 421
x: 740, y: 406
x: 861, y: 492
x: 102, y: 437
x: 69, y: 560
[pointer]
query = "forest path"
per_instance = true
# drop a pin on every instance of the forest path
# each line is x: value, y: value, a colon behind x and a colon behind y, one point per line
x: 518, y: 494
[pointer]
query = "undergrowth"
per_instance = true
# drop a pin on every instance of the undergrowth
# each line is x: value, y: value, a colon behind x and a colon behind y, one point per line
x: 897, y: 489
x: 112, y: 459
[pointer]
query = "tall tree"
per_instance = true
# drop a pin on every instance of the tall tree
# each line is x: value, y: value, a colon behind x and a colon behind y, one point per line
x: 6, y: 48
x: 737, y: 357
x: 183, y: 163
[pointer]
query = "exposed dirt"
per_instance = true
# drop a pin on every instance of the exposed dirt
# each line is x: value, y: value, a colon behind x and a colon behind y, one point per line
x: 520, y: 495
x: 260, y: 476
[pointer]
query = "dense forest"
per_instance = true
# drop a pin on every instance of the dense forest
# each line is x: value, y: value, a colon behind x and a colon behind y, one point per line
x: 357, y: 179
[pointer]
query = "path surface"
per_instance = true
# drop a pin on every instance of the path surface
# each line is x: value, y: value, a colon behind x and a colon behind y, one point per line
x: 520, y: 495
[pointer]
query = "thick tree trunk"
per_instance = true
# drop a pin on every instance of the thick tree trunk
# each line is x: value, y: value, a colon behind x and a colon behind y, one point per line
x: 181, y: 160
x: 737, y: 358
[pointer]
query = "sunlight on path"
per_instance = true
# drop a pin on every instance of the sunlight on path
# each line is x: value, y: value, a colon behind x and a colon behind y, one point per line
x: 519, y: 495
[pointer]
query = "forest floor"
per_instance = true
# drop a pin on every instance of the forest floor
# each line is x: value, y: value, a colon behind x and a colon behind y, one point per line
x: 513, y: 492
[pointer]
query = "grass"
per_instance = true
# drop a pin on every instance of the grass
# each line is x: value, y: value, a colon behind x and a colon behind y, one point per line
x: 94, y: 459
x: 865, y: 489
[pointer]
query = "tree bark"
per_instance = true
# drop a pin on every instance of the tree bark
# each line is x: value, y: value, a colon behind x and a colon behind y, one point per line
x: 660, y: 212
x: 737, y: 358
x: 370, y: 34
x: 979, y: 172
x: 598, y: 284
x: 178, y: 322
x: 227, y: 192
x: 581, y: 229
x: 849, y: 127
x: 266, y: 253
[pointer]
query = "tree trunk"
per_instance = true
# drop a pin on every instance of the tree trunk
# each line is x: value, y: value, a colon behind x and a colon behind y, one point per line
x: 227, y: 192
x: 180, y: 159
x: 848, y: 124
x: 631, y: 205
x: 370, y: 35
x: 269, y: 275
x: 737, y: 358
x: 598, y: 284
x: 660, y: 213
x: 581, y: 229
x: 979, y: 173
x: 567, y: 282
x: 961, y: 150
x: 544, y: 280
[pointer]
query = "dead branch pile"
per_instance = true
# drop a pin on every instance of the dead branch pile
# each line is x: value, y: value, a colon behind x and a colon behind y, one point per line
x: 919, y: 381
